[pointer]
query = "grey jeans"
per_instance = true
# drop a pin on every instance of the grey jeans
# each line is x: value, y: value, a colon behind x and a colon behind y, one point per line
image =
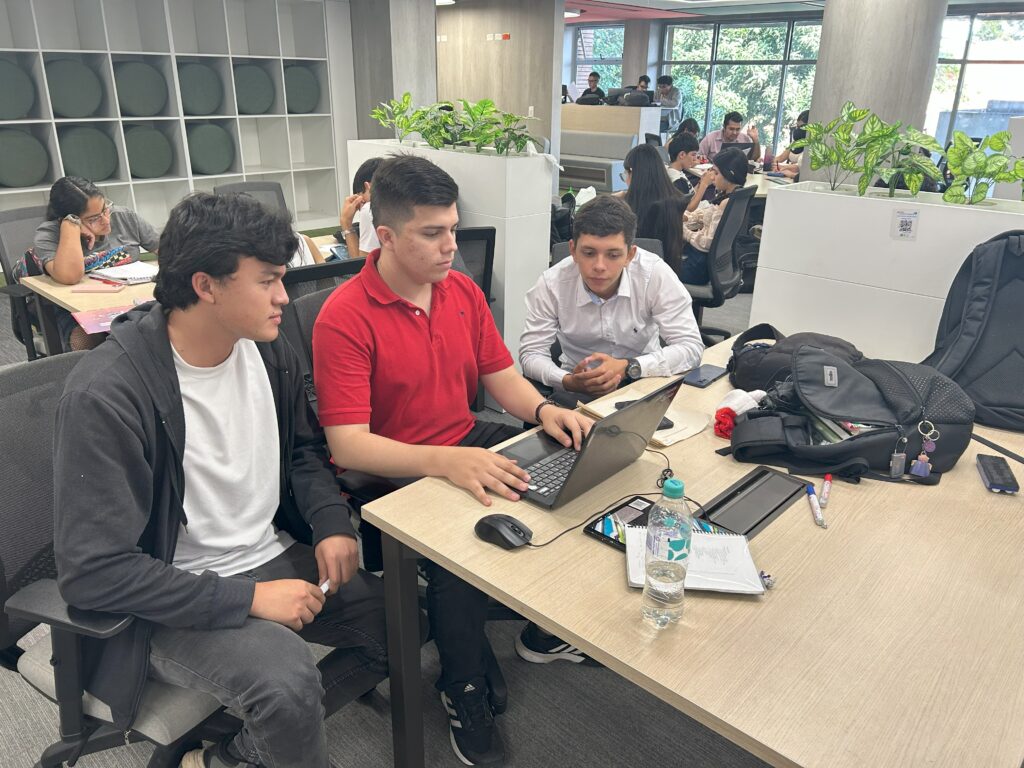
x: 266, y: 672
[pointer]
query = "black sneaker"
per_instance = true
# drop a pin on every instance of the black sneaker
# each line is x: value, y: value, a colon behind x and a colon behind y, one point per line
x: 537, y: 646
x: 474, y: 734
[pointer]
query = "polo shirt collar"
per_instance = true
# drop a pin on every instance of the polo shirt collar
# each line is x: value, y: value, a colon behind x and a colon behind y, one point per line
x: 379, y: 290
x: 585, y: 296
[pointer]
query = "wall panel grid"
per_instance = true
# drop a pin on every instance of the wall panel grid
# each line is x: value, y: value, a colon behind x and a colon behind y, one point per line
x: 128, y: 81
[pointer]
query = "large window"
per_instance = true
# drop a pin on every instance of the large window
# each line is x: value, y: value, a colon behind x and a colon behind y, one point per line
x: 979, y: 79
x: 598, y: 49
x: 764, y: 71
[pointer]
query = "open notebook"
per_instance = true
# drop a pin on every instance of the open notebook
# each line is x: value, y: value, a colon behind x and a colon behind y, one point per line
x: 718, y: 562
x: 129, y: 274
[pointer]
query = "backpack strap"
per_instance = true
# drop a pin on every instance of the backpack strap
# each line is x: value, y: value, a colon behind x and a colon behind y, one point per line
x: 759, y: 331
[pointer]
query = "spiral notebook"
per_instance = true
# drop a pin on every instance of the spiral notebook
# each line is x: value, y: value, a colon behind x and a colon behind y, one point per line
x: 718, y: 562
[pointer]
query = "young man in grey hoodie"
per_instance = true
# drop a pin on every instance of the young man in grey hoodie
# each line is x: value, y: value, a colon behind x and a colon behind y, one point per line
x: 192, y: 493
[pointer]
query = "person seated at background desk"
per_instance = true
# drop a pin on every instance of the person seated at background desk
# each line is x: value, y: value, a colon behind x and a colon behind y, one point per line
x: 700, y: 221
x: 607, y: 307
x: 398, y: 351
x: 187, y: 477
x: 682, y: 152
x: 796, y: 132
x: 730, y: 133
x: 593, y: 89
x: 85, y: 231
x: 689, y: 125
x: 667, y: 94
x: 358, y: 209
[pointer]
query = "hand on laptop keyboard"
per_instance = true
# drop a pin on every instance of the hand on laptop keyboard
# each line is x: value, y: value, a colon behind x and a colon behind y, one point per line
x: 567, y: 427
x: 479, y: 470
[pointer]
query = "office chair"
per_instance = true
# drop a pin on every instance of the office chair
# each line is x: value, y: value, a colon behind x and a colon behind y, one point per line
x: 560, y: 251
x: 654, y: 139
x: 174, y: 719
x: 269, y: 193
x: 725, y: 274
x: 17, y: 231
x: 302, y: 281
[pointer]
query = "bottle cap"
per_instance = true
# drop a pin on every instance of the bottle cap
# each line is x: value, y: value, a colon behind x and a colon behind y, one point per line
x: 673, y: 488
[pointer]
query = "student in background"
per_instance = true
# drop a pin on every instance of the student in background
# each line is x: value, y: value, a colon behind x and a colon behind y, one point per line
x: 593, y: 87
x: 84, y: 231
x: 644, y: 84
x: 682, y: 152
x: 647, y: 182
x: 689, y: 125
x: 700, y: 221
x: 357, y: 209
x: 191, y: 492
x: 731, y: 133
x: 667, y: 94
x: 610, y: 307
x: 796, y: 132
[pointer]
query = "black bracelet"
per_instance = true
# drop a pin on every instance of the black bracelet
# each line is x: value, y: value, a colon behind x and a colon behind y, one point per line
x: 541, y: 404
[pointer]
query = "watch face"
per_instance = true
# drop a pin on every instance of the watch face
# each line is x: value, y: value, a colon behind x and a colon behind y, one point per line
x: 633, y: 370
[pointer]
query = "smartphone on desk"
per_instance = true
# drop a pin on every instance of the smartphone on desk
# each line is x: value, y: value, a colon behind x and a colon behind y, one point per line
x: 704, y: 375
x: 666, y: 423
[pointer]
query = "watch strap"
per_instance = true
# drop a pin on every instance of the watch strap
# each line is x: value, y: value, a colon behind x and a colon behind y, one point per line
x: 541, y: 404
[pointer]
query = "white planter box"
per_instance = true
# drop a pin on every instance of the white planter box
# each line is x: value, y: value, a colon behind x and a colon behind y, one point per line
x: 511, y: 194
x: 833, y: 262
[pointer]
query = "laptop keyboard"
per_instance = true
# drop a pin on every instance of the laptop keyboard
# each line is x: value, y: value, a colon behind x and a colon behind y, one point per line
x: 548, y: 475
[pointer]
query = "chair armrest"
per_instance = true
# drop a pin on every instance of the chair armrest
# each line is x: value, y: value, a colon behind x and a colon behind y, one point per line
x: 364, y: 487
x: 40, y: 602
x: 16, y: 291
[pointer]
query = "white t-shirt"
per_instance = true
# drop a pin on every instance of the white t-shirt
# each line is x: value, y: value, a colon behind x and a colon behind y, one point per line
x: 367, y: 231
x: 303, y: 256
x: 232, y: 470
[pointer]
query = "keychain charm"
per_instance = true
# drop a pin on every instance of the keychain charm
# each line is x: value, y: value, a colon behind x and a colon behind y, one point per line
x: 921, y: 467
x: 898, y: 460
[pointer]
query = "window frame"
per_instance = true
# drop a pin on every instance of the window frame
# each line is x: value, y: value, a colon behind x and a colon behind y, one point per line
x: 578, y: 61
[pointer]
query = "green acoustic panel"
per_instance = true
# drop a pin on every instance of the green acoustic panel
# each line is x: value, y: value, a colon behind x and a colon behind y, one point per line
x: 17, y: 91
x: 23, y: 159
x: 87, y: 152
x: 301, y: 89
x: 75, y: 90
x: 254, y: 90
x: 149, y: 152
x: 201, y: 90
x: 211, y: 148
x: 141, y: 89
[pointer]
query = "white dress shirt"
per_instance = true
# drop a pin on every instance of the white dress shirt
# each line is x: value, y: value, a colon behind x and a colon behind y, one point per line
x: 650, y: 301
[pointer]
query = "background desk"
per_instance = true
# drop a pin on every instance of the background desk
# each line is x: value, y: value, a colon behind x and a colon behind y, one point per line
x: 894, y: 638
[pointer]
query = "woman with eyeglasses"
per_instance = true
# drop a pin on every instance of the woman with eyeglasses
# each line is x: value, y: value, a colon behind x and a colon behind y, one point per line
x: 84, y: 231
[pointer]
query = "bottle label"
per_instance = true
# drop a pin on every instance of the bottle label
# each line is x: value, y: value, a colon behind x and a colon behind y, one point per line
x: 662, y: 546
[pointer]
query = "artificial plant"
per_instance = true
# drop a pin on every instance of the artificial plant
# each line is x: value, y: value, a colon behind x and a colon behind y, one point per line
x: 975, y: 167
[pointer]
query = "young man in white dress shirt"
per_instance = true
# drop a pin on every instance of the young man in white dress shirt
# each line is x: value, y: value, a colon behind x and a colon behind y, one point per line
x: 607, y: 306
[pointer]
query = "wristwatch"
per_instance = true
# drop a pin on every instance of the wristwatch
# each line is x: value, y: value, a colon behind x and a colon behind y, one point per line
x: 73, y: 219
x: 633, y: 371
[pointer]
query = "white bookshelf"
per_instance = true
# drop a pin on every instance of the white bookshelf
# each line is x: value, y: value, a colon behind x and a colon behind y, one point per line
x: 296, y: 150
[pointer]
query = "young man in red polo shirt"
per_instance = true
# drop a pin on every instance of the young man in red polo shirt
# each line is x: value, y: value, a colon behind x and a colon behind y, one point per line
x: 398, y: 352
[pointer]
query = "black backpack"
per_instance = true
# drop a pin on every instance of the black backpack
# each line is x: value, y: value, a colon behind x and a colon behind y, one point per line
x: 757, y: 364
x: 980, y: 341
x: 851, y: 418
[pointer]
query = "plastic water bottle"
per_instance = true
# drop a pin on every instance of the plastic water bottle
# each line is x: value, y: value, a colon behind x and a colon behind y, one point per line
x: 669, y: 533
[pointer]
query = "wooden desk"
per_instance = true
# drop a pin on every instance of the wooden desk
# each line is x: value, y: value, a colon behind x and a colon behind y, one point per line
x: 893, y: 638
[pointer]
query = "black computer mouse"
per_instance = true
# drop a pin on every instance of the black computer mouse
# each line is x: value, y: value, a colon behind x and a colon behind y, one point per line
x: 503, y: 531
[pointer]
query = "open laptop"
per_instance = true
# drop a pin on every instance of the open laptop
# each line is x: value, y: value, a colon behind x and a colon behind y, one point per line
x: 742, y: 146
x: 559, y: 474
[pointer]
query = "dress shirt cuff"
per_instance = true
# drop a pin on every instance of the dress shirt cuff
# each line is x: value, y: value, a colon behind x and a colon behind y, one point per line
x: 652, y: 365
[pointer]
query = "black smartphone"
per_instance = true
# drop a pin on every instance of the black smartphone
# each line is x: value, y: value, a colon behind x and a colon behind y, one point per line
x: 666, y: 423
x: 704, y: 375
x: 996, y: 474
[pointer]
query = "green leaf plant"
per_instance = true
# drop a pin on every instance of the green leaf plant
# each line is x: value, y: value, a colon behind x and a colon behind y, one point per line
x: 398, y: 115
x: 833, y: 146
x: 896, y: 156
x: 976, y: 167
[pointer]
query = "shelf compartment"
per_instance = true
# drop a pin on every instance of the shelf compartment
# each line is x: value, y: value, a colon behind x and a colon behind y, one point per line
x: 302, y: 94
x: 154, y: 202
x: 264, y: 142
x: 207, y: 183
x: 73, y: 94
x: 312, y: 142
x: 17, y: 30
x: 195, y: 91
x: 171, y: 131
x: 70, y: 25
x: 316, y: 198
x: 252, y: 96
x: 20, y: 165
x: 13, y: 106
x: 136, y: 25
x: 252, y: 27
x: 133, y: 105
x: 302, y: 29
x: 94, y: 150
x: 198, y: 27
x: 208, y: 150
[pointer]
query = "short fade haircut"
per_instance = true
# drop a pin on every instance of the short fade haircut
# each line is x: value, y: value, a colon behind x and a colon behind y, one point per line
x: 365, y: 174
x: 210, y: 233
x: 682, y: 142
x: 665, y: 80
x: 644, y: 79
x: 731, y: 117
x: 404, y: 181
x: 594, y: 74
x: 605, y: 215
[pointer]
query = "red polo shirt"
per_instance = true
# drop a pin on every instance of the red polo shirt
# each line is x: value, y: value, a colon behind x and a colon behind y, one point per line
x: 382, y: 361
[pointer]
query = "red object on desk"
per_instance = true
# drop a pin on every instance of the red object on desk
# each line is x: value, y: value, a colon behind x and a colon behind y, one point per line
x: 725, y: 420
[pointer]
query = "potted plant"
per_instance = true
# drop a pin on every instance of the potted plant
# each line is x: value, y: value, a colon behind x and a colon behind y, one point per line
x: 976, y: 167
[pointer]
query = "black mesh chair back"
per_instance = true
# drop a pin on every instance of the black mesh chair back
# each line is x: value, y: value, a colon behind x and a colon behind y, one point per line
x: 654, y: 139
x: 301, y: 281
x: 268, y: 193
x: 17, y: 231
x: 297, y: 327
x: 475, y: 256
x: 29, y: 393
x: 724, y: 270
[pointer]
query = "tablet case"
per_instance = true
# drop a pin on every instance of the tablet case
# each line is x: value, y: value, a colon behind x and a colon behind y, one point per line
x: 750, y: 504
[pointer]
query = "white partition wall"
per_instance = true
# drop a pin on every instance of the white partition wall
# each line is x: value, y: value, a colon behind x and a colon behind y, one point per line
x: 511, y: 194
x: 296, y: 150
x: 872, y: 270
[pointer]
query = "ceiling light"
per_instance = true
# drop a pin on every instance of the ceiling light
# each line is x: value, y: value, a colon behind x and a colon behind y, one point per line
x: 444, y: 2
x: 569, y: 14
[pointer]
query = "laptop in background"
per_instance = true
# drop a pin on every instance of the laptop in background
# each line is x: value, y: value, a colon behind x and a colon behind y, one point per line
x: 742, y: 146
x: 559, y: 474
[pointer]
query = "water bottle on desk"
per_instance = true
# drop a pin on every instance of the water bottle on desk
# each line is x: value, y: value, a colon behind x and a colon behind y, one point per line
x: 668, y: 550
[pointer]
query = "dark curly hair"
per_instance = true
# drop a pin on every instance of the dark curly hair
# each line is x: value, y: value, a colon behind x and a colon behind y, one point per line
x: 70, y: 194
x: 210, y: 233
